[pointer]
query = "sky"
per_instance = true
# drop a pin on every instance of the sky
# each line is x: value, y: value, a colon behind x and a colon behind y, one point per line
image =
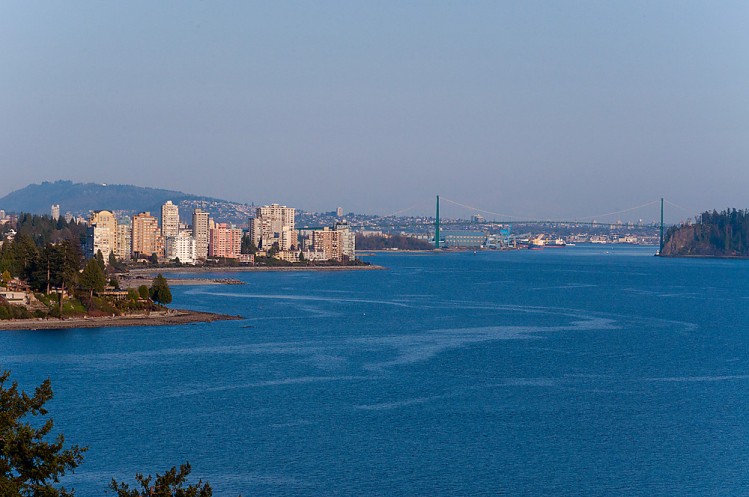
x: 534, y: 109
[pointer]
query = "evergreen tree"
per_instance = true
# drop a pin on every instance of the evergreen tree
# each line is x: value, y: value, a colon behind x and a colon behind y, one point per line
x: 170, y: 484
x: 143, y: 292
x: 30, y: 465
x: 100, y: 260
x: 92, y: 279
x: 160, y: 291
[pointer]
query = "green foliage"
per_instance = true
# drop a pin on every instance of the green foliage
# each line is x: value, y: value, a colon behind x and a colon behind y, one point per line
x: 272, y: 262
x: 100, y: 305
x: 717, y: 234
x: 160, y: 291
x: 115, y: 264
x: 11, y: 311
x: 273, y: 250
x: 154, y: 259
x: 93, y: 278
x: 114, y: 283
x: 170, y: 484
x: 68, y: 308
x: 143, y: 292
x: 53, y: 265
x: 100, y: 260
x: 30, y: 464
x: 132, y: 294
x: 6, y: 277
x: 44, y: 230
x: 248, y: 247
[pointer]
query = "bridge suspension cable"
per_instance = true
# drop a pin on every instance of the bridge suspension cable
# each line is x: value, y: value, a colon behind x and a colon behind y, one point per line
x: 677, y: 206
x: 479, y: 210
x: 625, y: 210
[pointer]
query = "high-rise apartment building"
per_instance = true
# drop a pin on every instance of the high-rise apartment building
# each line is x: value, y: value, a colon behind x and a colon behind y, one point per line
x: 103, y: 234
x: 55, y: 212
x: 337, y: 244
x: 97, y: 240
x: 201, y: 233
x: 226, y: 241
x: 124, y: 248
x: 169, y: 219
x: 273, y: 224
x: 145, y: 235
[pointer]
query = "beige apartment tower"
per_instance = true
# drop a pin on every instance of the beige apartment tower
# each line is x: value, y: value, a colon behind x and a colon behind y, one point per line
x: 169, y: 219
x: 104, y: 224
x: 145, y: 237
x: 273, y: 224
x: 201, y: 233
x: 123, y: 250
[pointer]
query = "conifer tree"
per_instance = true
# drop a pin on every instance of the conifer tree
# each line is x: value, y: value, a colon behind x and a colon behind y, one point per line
x: 160, y: 291
x: 31, y: 465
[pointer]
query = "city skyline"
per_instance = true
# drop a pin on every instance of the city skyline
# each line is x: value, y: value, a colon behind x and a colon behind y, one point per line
x: 538, y: 110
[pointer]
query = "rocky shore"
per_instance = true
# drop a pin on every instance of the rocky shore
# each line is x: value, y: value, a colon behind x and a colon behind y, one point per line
x: 160, y: 318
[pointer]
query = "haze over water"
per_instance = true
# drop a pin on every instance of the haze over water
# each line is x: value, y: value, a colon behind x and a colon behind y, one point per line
x: 539, y: 109
x: 580, y: 371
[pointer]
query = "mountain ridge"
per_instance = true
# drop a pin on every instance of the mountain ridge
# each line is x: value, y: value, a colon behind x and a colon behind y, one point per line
x: 81, y: 198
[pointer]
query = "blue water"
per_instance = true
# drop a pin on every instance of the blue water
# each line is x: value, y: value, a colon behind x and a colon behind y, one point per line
x: 578, y: 371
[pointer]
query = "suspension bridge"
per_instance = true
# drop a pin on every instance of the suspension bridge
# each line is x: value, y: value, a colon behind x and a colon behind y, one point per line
x: 397, y: 219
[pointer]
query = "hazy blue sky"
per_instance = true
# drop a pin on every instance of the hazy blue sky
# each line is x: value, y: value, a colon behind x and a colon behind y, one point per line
x: 535, y: 109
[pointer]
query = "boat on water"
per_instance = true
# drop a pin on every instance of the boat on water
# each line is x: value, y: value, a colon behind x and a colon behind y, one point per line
x: 556, y: 243
x: 541, y: 242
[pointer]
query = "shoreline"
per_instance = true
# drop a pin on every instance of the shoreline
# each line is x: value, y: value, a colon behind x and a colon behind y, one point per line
x: 139, y: 276
x: 160, y: 318
x: 698, y: 256
x: 249, y: 269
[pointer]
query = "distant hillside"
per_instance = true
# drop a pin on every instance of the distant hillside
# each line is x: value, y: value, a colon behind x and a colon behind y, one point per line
x: 399, y: 242
x: 80, y: 198
x: 717, y: 234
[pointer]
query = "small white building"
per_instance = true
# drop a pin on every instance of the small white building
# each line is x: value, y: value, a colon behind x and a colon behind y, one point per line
x: 181, y: 247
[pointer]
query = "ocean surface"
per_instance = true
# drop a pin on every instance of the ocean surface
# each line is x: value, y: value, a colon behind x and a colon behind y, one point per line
x: 588, y: 370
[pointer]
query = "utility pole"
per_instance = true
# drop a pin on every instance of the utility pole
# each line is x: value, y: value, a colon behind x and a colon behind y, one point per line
x: 437, y: 225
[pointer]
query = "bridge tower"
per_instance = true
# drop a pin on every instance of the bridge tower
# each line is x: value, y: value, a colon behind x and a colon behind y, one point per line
x: 660, y: 250
x: 437, y: 225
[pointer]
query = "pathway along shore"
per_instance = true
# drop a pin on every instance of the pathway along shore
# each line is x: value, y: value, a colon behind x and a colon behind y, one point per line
x: 158, y: 318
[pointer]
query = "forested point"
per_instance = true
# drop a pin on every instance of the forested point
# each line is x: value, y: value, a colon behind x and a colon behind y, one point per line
x: 44, y: 261
x: 716, y: 234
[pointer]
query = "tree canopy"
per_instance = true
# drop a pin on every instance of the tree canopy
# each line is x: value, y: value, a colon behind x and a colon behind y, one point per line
x: 714, y: 233
x: 30, y: 464
x: 170, y: 484
x: 93, y: 279
x: 160, y: 291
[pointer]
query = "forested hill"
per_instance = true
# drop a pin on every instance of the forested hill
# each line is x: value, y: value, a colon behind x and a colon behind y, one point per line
x: 80, y: 198
x: 391, y: 242
x: 718, y: 234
